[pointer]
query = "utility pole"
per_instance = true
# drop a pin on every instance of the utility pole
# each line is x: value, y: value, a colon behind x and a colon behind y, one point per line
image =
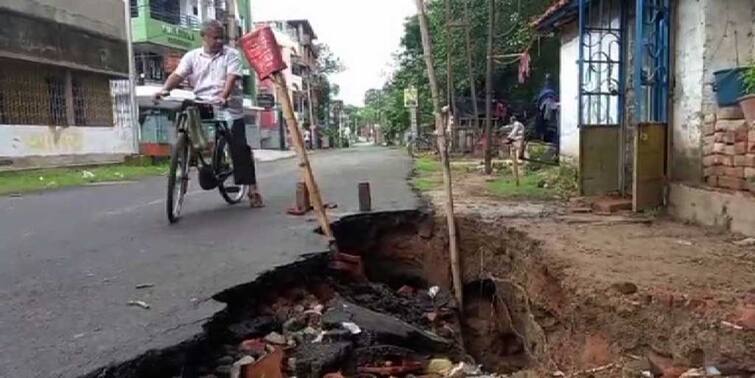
x: 230, y: 6
x: 136, y: 127
x: 470, y: 67
x: 440, y: 128
x: 489, y: 91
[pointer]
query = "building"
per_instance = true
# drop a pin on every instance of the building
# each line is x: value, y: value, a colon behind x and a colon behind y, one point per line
x: 641, y: 76
x: 296, y: 38
x: 64, y: 92
x: 163, y: 31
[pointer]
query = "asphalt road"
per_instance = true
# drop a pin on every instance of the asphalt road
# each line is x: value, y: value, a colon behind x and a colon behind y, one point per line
x: 70, y: 260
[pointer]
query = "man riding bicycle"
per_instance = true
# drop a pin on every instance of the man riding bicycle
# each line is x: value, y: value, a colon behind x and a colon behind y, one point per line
x: 214, y: 72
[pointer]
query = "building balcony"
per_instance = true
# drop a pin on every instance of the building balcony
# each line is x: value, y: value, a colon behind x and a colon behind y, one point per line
x: 163, y: 25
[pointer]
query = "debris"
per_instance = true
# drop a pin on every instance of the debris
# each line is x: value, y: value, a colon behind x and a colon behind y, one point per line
x: 351, y: 327
x: 276, y: 338
x: 145, y: 285
x: 141, y: 304
x: 225, y: 360
x: 732, y: 325
x: 439, y: 366
x: 711, y: 370
x: 433, y: 291
x: 383, y: 328
x: 255, y: 347
x: 334, y: 375
x: 313, y: 360
x: 268, y: 366
x: 686, y: 243
x: 749, y: 242
x: 255, y: 327
x: 581, y: 210
x: 558, y: 373
x: 647, y: 374
x: 626, y: 288
x: 87, y: 174
x: 406, y: 290
x: 239, y: 365
x: 390, y: 369
x: 294, y: 324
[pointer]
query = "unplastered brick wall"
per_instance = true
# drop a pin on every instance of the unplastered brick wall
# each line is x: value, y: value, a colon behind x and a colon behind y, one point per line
x: 729, y: 153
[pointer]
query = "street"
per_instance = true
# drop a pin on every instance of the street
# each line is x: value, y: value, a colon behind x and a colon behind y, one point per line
x: 72, y: 258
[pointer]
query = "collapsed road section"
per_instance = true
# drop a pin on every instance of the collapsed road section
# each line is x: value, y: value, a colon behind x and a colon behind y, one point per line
x: 393, y: 315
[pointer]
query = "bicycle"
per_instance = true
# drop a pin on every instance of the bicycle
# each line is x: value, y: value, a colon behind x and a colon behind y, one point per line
x: 188, y: 152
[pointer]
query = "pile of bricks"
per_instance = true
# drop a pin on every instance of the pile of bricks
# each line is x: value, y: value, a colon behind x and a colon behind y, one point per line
x: 729, y: 154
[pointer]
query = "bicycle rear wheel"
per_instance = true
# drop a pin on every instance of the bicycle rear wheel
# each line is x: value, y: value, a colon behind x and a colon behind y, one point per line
x: 178, y: 178
x: 223, y: 166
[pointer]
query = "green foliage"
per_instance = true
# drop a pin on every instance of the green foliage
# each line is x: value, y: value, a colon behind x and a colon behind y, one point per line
x: 385, y: 106
x: 749, y: 79
x: 427, y: 165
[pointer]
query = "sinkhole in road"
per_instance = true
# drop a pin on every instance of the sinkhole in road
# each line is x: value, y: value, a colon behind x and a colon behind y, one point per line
x: 307, y: 320
x: 525, y: 314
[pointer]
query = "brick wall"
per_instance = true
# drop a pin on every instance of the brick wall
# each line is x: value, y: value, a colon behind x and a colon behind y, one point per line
x: 729, y: 153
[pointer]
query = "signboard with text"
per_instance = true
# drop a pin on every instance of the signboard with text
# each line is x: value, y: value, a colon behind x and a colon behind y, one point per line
x: 411, y: 97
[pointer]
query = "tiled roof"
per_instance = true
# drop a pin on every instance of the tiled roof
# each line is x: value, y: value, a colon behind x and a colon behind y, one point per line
x: 553, y: 13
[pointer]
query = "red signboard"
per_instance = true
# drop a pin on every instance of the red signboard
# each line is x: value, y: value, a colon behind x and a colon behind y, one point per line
x: 263, y: 52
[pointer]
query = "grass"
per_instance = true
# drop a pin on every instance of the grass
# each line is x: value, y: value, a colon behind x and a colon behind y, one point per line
x: 55, y: 178
x: 542, y: 184
x: 425, y: 165
x: 427, y: 174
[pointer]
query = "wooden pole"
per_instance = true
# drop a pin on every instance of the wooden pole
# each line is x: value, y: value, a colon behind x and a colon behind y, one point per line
x: 470, y: 67
x: 441, y: 131
x: 489, y: 91
x: 516, y: 162
x: 298, y: 142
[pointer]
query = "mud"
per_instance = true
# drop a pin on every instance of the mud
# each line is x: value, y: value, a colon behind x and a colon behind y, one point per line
x: 523, y: 313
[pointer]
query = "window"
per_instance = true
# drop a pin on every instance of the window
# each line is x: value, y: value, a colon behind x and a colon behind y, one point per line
x: 134, y: 8
x: 166, y: 10
x: 40, y: 94
x: 32, y: 94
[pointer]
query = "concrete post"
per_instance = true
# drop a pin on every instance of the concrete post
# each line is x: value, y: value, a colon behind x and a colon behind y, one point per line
x: 135, y: 127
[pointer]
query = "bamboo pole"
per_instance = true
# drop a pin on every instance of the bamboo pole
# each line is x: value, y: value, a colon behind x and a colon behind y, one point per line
x: 489, y: 91
x: 298, y: 142
x: 441, y: 131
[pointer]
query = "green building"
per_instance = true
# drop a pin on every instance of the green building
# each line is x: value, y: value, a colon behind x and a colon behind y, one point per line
x: 162, y: 32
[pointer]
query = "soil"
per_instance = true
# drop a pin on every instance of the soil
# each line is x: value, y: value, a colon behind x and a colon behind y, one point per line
x: 608, y: 291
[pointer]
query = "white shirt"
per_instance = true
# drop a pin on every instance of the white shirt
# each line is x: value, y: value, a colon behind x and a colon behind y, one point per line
x: 517, y: 133
x: 207, y: 74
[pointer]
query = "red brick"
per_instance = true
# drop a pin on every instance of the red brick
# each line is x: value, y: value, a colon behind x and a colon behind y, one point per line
x: 730, y: 112
x: 727, y: 161
x: 736, y: 172
x: 712, y: 181
x: 730, y: 136
x: 749, y: 160
x: 740, y: 161
x: 709, y: 160
x: 741, y: 135
x: 732, y: 183
x: 734, y: 124
x: 718, y: 137
x: 707, y: 149
x: 718, y: 148
x: 730, y: 150
x: 749, y: 173
x: 713, y: 171
x: 740, y: 148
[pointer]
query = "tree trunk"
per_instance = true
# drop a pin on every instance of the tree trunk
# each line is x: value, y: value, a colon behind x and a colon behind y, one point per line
x: 489, y: 92
x: 470, y: 67
x: 450, y: 71
x: 441, y: 131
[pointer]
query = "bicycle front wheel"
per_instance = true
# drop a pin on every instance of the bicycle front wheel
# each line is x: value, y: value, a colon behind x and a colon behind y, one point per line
x: 223, y: 165
x: 178, y: 178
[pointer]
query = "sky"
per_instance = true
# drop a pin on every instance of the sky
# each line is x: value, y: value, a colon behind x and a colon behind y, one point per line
x: 363, y: 33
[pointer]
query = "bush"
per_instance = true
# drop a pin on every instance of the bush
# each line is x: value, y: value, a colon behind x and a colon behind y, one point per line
x: 749, y: 79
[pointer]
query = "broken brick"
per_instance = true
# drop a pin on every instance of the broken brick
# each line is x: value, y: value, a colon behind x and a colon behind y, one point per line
x: 270, y: 366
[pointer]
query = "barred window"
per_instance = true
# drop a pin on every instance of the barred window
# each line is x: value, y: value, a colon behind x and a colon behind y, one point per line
x: 39, y: 94
x: 92, y: 101
x: 32, y: 94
